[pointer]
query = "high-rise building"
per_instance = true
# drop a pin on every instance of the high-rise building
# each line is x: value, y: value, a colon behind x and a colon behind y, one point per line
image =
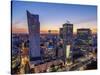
x: 34, y: 38
x: 84, y: 39
x: 68, y: 40
x: 84, y: 36
x: 68, y: 33
x: 83, y: 33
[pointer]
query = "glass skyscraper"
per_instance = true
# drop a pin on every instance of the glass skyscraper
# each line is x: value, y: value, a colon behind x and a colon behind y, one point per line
x: 34, y: 37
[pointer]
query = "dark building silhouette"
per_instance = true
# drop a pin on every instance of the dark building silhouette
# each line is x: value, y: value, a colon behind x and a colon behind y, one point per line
x: 61, y: 33
x: 84, y: 36
x: 83, y: 33
x: 83, y: 42
x: 68, y: 33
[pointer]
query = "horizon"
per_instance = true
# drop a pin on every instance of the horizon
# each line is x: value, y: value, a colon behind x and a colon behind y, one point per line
x: 52, y: 32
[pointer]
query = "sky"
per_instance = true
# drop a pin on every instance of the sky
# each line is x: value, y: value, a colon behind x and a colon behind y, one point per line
x: 53, y: 15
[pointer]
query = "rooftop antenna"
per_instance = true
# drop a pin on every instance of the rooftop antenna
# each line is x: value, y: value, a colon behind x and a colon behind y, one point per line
x: 68, y: 22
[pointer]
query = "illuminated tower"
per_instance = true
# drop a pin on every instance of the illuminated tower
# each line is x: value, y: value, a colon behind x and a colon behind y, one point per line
x: 68, y: 40
x: 34, y: 37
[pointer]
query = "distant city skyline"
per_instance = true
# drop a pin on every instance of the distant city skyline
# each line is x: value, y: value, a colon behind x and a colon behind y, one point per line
x: 52, y: 16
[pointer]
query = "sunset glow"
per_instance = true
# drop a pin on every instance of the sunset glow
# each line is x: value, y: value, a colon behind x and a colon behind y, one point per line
x: 52, y: 18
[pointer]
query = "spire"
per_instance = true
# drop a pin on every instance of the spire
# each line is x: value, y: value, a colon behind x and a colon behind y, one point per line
x: 68, y: 22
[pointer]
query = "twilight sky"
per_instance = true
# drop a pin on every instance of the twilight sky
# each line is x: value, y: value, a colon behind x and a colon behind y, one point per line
x: 53, y: 15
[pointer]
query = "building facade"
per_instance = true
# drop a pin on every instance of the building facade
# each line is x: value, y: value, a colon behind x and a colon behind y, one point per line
x: 68, y: 41
x: 68, y: 33
x: 34, y: 38
x: 84, y: 39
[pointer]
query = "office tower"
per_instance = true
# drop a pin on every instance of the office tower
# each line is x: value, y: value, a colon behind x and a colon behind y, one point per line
x: 68, y: 41
x: 68, y: 33
x: 83, y: 33
x: 84, y: 39
x: 34, y: 37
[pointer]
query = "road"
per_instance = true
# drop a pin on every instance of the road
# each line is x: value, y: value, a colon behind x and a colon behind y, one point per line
x: 82, y: 62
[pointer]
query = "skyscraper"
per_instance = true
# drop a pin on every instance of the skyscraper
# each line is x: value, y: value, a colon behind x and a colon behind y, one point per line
x: 68, y: 40
x: 68, y: 32
x: 34, y: 37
